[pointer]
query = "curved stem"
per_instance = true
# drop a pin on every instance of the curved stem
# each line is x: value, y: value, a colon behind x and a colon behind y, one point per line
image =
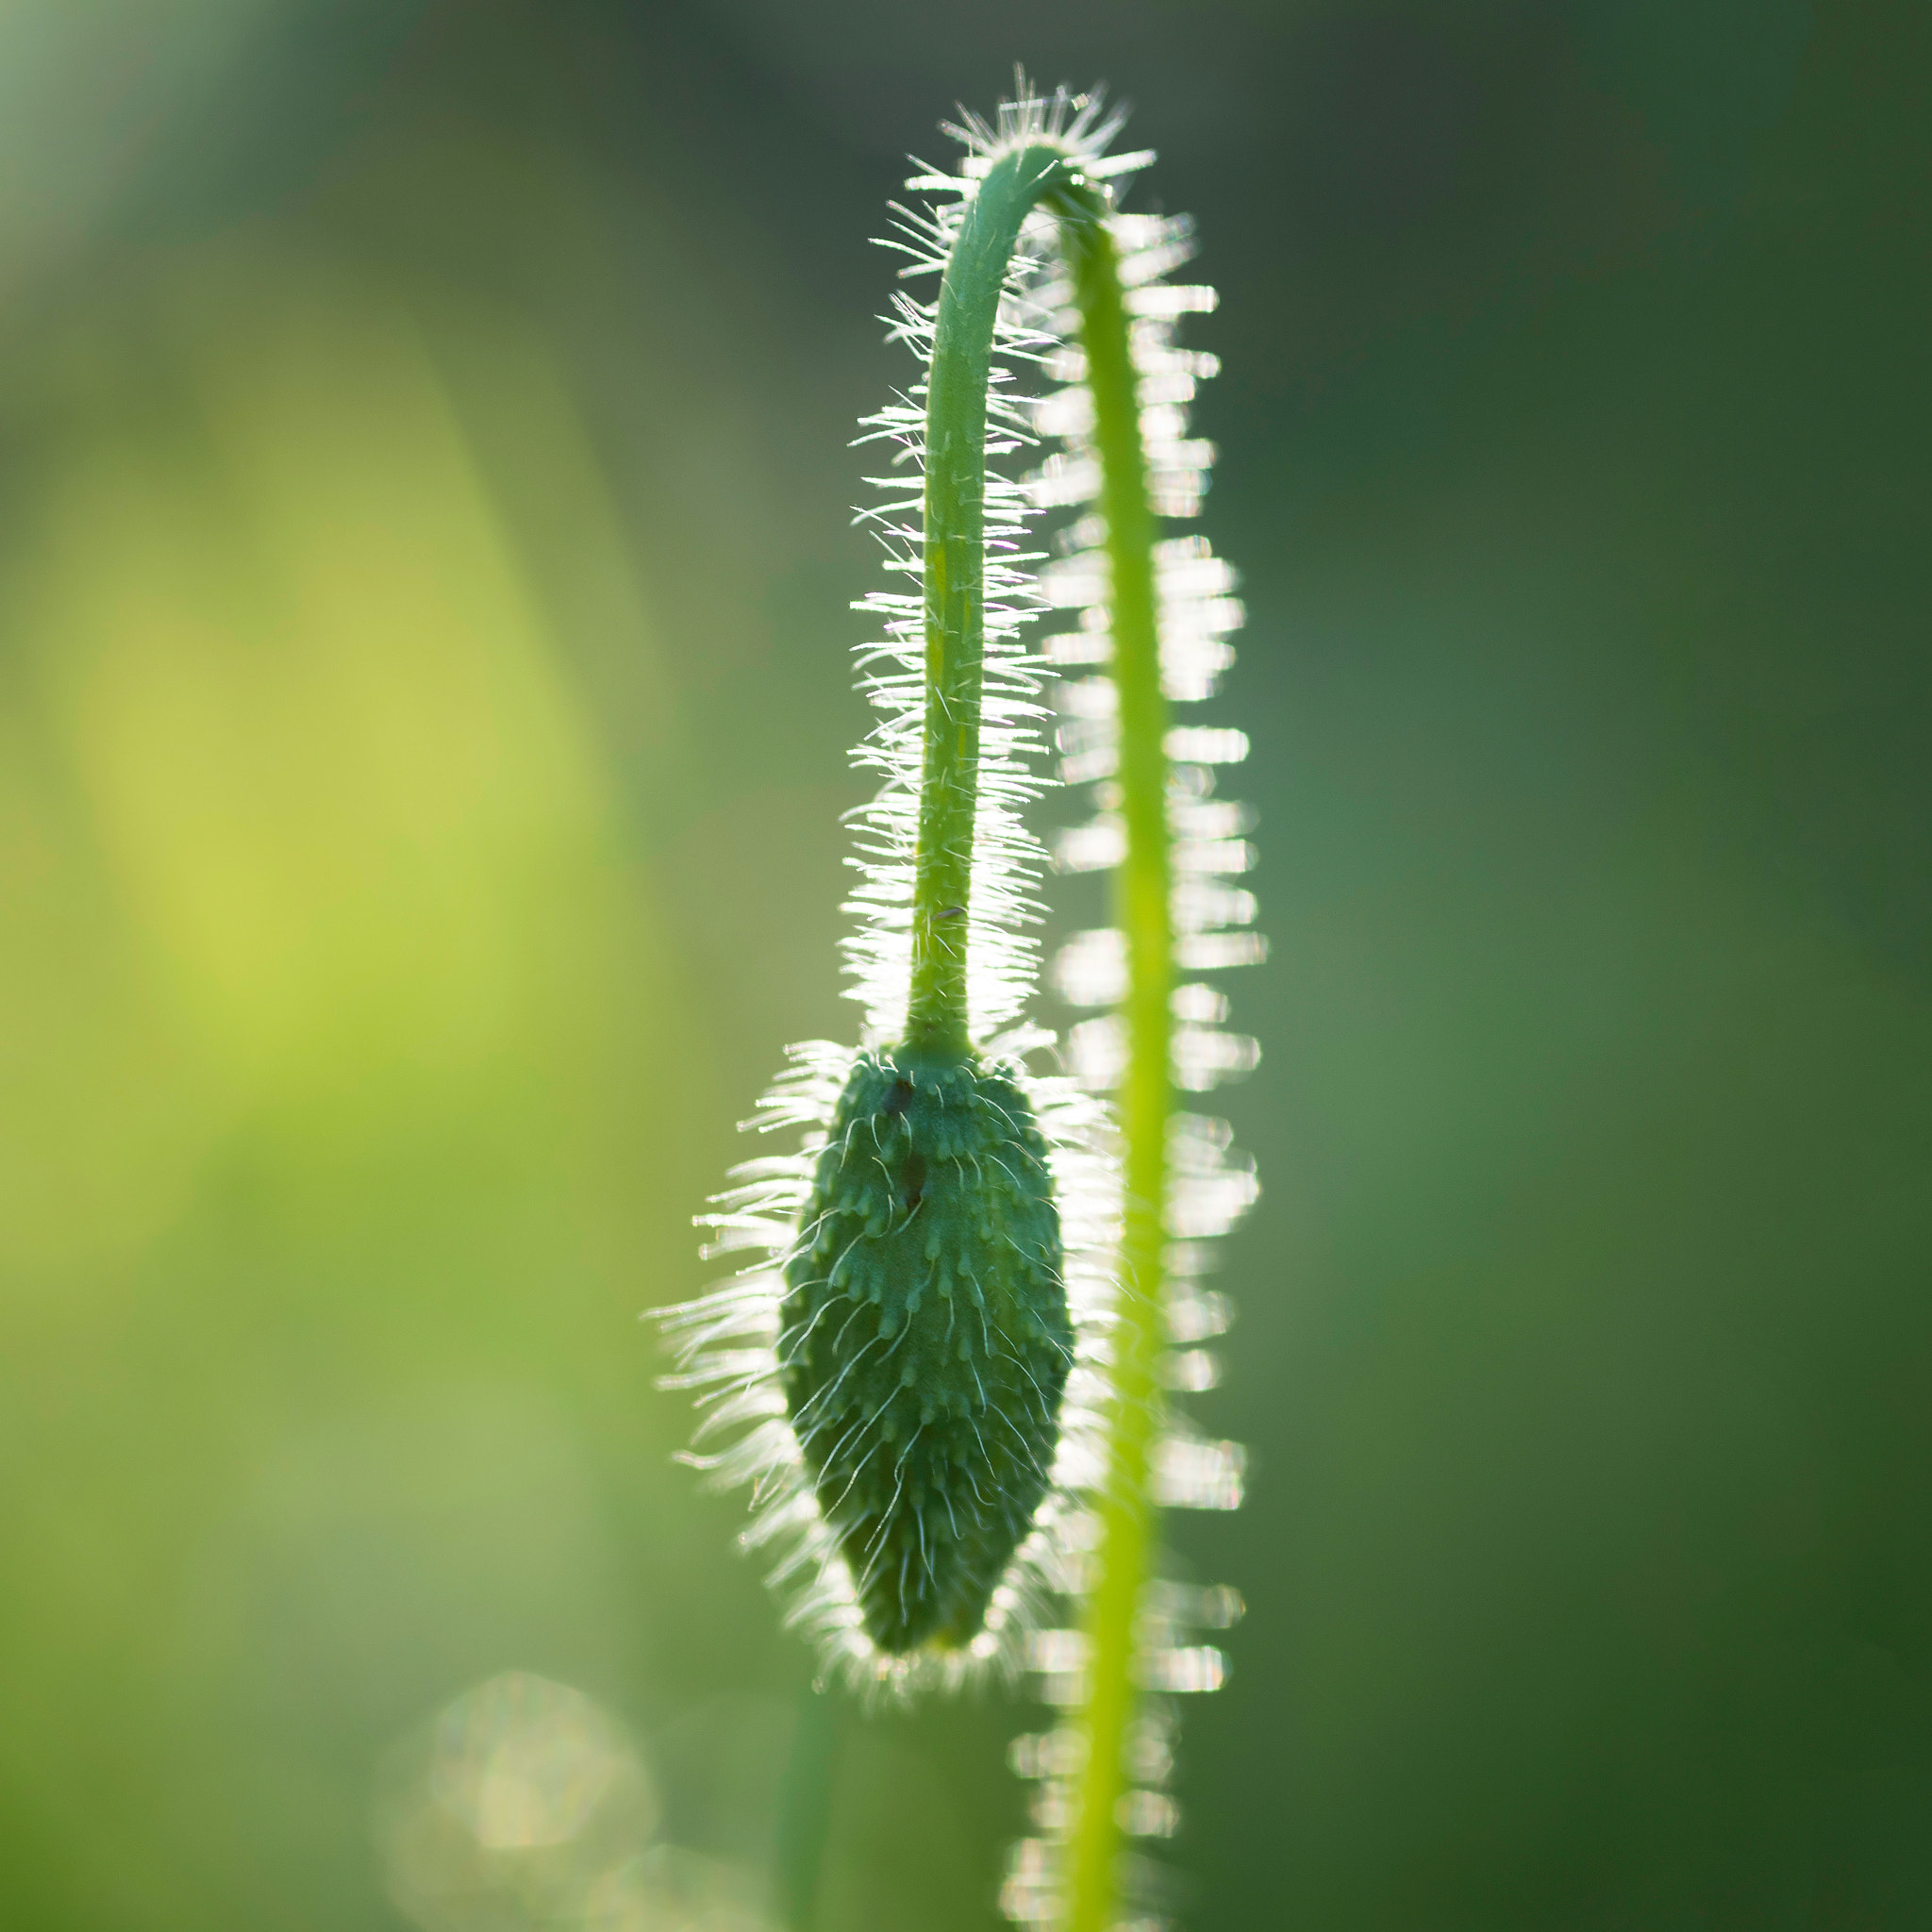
x: 1141, y: 910
x: 955, y: 584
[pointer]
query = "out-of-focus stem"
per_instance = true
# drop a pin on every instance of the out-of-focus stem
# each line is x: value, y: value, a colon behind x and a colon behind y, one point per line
x: 1140, y: 911
x: 805, y: 1807
x: 936, y: 1017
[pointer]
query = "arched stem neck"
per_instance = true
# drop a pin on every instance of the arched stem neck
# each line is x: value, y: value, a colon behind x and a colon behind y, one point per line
x: 936, y: 1019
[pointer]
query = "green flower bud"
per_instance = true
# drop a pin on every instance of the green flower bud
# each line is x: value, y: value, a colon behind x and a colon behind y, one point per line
x: 924, y: 1339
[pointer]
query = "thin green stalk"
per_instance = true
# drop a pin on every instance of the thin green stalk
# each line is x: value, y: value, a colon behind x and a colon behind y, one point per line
x: 1140, y: 911
x: 956, y: 443
x: 955, y: 585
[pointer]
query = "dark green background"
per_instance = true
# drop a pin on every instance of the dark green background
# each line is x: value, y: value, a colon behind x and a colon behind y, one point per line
x: 383, y: 975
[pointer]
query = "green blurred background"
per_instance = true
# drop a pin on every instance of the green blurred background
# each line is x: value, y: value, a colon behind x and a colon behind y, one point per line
x: 423, y: 582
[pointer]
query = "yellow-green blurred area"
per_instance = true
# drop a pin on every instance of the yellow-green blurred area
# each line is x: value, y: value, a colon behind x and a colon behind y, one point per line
x: 424, y: 570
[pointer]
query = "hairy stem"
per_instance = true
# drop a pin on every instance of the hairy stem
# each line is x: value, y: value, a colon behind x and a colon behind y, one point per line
x: 1140, y: 911
x: 955, y: 585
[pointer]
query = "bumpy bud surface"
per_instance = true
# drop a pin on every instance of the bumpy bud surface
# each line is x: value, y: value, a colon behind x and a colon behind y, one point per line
x: 925, y: 1341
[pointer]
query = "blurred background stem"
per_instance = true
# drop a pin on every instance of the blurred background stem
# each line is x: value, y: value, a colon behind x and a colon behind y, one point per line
x: 805, y: 1805
x: 1140, y: 911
